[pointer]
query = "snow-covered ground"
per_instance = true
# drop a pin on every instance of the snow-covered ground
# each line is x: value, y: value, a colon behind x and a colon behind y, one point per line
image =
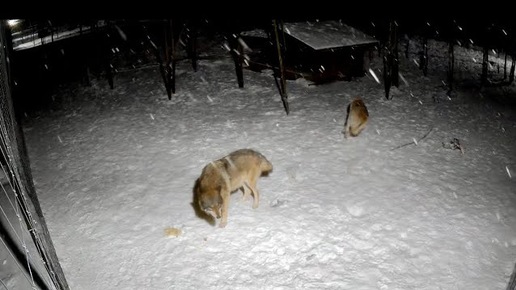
x: 114, y: 169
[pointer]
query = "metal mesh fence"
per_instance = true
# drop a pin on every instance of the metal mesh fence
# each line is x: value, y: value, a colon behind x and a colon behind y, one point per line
x: 30, y: 260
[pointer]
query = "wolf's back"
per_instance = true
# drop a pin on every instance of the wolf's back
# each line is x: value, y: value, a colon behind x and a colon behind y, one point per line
x: 250, y: 154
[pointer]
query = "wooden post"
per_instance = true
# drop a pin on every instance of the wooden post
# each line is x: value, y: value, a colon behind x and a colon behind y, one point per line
x: 169, y: 71
x: 192, y: 44
x: 485, y: 60
x: 394, y: 47
x: 390, y: 59
x: 282, y: 83
x: 407, y: 47
x: 505, y: 66
x: 236, y: 50
x: 107, y: 55
x: 511, y: 72
x: 387, y: 80
x: 423, y: 61
x: 451, y: 65
x: 171, y: 59
x: 157, y: 54
x: 163, y: 66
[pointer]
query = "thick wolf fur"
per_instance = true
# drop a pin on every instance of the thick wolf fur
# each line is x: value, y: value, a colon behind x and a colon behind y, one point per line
x: 240, y: 169
x: 357, y: 118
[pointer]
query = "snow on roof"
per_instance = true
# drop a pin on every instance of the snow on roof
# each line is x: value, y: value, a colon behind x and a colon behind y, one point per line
x: 327, y: 34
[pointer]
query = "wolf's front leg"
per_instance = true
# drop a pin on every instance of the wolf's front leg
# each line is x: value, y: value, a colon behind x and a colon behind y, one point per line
x: 225, y: 206
x: 256, y: 195
x: 254, y: 190
x: 252, y: 187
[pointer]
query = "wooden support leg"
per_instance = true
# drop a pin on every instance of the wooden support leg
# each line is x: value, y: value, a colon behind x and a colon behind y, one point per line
x: 107, y: 56
x: 407, y: 47
x: 390, y: 60
x: 194, y: 53
x: 172, y: 75
x: 169, y: 71
x: 505, y: 66
x: 387, y: 79
x: 192, y: 45
x: 423, y: 62
x: 485, y: 59
x: 395, y: 57
x: 239, y: 71
x: 109, y: 72
x: 236, y: 51
x: 169, y: 44
x: 87, y: 73
x: 279, y: 44
x: 157, y: 54
x: 451, y: 66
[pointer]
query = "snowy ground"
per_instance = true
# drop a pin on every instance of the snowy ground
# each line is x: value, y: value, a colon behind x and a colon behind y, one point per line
x: 115, y: 168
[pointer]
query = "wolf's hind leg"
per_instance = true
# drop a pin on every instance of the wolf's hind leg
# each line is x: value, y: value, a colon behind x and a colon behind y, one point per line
x: 252, y: 187
x: 247, y: 193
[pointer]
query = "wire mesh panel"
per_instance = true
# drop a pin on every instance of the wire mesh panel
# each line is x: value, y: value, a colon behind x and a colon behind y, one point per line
x: 27, y: 255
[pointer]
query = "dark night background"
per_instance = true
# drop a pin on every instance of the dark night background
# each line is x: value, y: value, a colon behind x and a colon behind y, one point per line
x: 38, y: 71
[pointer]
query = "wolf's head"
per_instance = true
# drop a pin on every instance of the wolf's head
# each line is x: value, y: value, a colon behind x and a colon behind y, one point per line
x: 210, y: 202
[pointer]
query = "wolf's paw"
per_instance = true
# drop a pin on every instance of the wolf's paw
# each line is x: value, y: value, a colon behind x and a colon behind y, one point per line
x: 223, y: 224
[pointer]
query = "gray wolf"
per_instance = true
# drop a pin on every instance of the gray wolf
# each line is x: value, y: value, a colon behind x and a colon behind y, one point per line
x: 240, y: 169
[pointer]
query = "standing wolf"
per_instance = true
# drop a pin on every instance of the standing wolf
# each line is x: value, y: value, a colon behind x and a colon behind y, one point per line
x: 238, y: 170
